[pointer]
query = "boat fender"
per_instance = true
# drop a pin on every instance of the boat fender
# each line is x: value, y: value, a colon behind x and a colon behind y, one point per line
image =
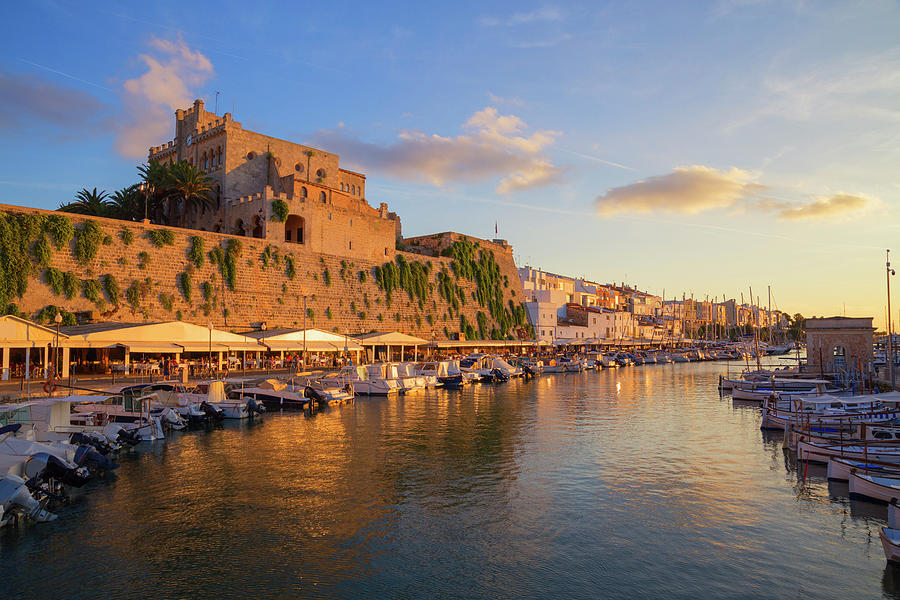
x: 49, y: 386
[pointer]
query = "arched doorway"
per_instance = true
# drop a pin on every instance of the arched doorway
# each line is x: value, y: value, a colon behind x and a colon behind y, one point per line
x: 294, y: 228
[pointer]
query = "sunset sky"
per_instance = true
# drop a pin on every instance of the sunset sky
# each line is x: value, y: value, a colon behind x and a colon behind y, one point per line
x: 688, y: 147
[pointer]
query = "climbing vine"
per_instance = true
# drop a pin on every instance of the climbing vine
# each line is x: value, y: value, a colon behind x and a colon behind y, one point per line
x: 161, y: 237
x: 93, y: 291
x: 280, y: 210
x: 87, y: 242
x: 196, y: 253
x: 111, y: 287
x: 185, y: 284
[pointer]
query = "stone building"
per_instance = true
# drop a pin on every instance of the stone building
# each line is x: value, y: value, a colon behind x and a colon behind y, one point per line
x: 836, y: 344
x: 327, y: 209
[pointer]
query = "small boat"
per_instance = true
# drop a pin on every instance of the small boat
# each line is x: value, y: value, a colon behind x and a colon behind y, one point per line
x: 366, y: 384
x: 16, y: 499
x: 874, y: 487
x: 839, y: 468
x: 859, y: 451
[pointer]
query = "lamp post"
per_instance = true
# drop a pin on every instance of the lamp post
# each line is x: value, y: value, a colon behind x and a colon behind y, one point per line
x: 264, y: 327
x: 146, y: 190
x: 304, y: 332
x: 890, y: 336
x: 212, y: 373
x: 58, y: 320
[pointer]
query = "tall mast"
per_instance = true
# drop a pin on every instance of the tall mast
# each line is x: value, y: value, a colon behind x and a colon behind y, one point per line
x: 755, y: 329
x: 770, y: 315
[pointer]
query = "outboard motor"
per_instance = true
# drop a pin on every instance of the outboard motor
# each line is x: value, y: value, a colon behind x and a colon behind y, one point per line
x: 128, y: 436
x: 255, y: 407
x: 498, y: 376
x: 86, y: 456
x: 100, y: 445
x: 212, y: 413
x: 13, y: 429
x: 43, y: 466
x: 15, y: 497
x: 528, y: 371
x: 314, y: 394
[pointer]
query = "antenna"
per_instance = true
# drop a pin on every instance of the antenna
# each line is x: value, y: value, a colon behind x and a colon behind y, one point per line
x: 216, y: 111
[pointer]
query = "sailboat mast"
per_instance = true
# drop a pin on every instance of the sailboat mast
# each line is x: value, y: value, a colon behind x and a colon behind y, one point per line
x: 756, y: 329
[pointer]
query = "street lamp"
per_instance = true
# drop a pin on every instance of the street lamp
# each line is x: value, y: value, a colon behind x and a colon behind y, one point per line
x: 264, y: 327
x: 210, y: 327
x: 146, y: 190
x: 58, y: 320
x: 890, y: 336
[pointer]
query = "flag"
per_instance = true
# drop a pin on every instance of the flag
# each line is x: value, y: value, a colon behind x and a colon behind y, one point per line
x: 495, y: 228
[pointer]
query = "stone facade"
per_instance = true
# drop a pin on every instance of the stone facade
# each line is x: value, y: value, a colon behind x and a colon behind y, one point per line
x: 839, y: 343
x: 251, y: 170
x: 340, y: 289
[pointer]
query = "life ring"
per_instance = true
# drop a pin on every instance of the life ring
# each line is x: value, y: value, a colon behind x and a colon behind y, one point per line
x: 49, y: 387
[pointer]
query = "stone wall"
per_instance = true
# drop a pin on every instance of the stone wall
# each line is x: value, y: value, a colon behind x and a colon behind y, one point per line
x: 263, y: 290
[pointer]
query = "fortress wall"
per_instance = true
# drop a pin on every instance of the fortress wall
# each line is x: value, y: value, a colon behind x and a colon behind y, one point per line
x: 262, y: 293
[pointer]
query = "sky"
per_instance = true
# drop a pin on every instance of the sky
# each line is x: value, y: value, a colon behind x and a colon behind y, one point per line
x: 687, y: 148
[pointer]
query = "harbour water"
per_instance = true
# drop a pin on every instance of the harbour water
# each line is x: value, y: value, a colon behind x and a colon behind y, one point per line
x: 636, y: 483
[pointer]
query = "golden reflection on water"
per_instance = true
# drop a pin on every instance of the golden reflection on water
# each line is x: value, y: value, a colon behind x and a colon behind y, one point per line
x: 571, y: 485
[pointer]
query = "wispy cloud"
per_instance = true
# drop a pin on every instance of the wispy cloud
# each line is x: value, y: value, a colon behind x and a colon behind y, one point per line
x: 859, y: 87
x: 511, y: 100
x: 174, y: 72
x: 547, y: 13
x: 27, y: 100
x: 597, y: 159
x: 542, y: 43
x: 697, y: 188
x: 492, y: 146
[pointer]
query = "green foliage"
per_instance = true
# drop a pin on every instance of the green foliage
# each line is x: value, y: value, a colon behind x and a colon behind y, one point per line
x: 229, y: 267
x: 207, y: 289
x: 48, y: 314
x: 310, y: 314
x: 137, y: 292
x: 93, y: 291
x: 196, y: 254
x: 280, y: 210
x: 380, y: 317
x: 60, y: 229
x: 107, y: 240
x: 167, y: 301
x: 328, y: 312
x: 270, y: 255
x: 161, y: 237
x: 54, y: 278
x: 111, y: 287
x: 127, y: 236
x: 13, y: 309
x: 185, y: 284
x: 290, y: 269
x: 353, y: 307
x: 362, y: 315
x: 87, y: 242
x: 143, y: 260
x: 361, y: 276
x: 326, y: 277
x: 42, y: 252
x: 473, y: 263
x: 345, y: 270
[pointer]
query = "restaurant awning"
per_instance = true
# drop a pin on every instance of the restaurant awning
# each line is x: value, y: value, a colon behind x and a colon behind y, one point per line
x: 390, y: 338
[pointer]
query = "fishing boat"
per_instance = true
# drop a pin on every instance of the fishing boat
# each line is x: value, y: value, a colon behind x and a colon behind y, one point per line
x: 873, y: 487
x: 825, y: 410
x: 858, y: 451
x: 839, y: 468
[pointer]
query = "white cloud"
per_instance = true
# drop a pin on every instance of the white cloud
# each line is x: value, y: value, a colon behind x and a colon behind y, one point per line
x: 174, y: 72
x: 512, y: 100
x: 688, y: 190
x: 697, y: 188
x: 492, y: 146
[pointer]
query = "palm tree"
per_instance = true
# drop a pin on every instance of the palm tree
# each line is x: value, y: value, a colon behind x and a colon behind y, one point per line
x: 155, y: 186
x: 127, y: 204
x: 188, y: 187
x: 91, y: 203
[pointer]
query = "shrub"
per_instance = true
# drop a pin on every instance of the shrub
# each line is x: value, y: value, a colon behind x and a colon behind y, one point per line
x: 328, y: 312
x: 196, y: 253
x: 207, y: 289
x: 111, y: 287
x: 186, y: 286
x: 310, y: 314
x: 93, y: 291
x: 42, y: 252
x: 280, y: 210
x: 161, y: 237
x: 143, y: 260
x: 167, y: 301
x: 127, y: 236
x: 60, y: 229
x: 326, y: 277
x: 54, y: 278
x: 71, y: 285
x: 87, y: 242
x: 361, y: 276
x: 290, y: 269
x: 107, y: 240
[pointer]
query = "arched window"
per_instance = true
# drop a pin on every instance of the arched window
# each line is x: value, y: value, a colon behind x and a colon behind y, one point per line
x: 323, y: 197
x: 205, y: 162
x: 257, y: 227
x: 298, y: 167
x: 239, y: 228
x: 303, y: 192
x: 353, y: 189
x: 219, y: 155
x: 320, y: 173
x: 293, y: 229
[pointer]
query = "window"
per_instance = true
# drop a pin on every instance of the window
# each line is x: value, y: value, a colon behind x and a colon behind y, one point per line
x: 303, y: 192
x: 324, y: 198
x: 320, y: 173
x: 298, y: 167
x: 293, y: 229
x: 251, y: 155
x: 219, y: 155
x: 351, y: 245
x: 353, y: 189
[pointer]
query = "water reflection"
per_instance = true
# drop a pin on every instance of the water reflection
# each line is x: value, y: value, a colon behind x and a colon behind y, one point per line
x: 640, y: 482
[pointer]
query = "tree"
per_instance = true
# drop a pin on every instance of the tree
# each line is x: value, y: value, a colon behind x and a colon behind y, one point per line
x: 797, y: 324
x: 309, y: 154
x: 127, y: 204
x: 91, y: 203
x: 189, y: 188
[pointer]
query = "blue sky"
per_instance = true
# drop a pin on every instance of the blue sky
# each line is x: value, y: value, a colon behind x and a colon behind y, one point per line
x: 693, y: 147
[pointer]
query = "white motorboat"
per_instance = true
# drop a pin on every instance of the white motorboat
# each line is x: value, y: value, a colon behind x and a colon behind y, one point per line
x: 430, y: 371
x: 405, y: 374
x: 839, y: 468
x: 16, y: 499
x: 366, y: 385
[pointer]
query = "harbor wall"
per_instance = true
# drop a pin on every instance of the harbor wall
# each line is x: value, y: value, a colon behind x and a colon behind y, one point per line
x: 162, y: 283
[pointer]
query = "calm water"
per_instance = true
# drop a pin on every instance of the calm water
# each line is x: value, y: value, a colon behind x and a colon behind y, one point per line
x: 641, y: 483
